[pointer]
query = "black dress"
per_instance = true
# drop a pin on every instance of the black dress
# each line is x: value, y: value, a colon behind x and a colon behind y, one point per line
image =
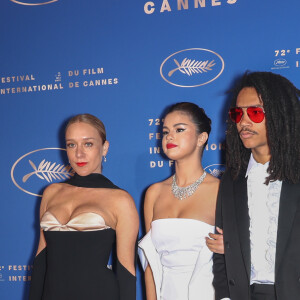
x: 73, y: 266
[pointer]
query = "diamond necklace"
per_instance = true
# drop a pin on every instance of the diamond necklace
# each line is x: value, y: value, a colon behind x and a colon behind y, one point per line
x: 184, y: 192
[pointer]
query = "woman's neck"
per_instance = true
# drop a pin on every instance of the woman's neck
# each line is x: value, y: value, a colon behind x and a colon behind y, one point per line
x: 187, y: 172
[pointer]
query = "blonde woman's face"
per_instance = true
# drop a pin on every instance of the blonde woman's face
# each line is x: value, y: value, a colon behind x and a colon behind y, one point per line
x: 85, y: 148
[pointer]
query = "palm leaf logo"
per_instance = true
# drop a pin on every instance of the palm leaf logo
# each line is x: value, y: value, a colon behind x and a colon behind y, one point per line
x: 190, y: 67
x: 49, y: 171
x: 216, y: 172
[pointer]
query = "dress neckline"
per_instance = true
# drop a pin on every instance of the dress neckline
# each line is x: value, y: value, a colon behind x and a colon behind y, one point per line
x: 93, y: 180
x: 73, y: 218
x: 182, y: 219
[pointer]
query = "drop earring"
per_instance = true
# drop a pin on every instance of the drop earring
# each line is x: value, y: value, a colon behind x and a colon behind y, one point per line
x: 104, y: 158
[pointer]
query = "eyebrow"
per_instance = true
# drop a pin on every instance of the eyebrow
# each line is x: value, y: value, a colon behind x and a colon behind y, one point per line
x: 254, y: 105
x: 177, y: 124
x: 87, y: 138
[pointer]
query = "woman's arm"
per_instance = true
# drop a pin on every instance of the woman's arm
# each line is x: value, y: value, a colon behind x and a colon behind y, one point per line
x: 214, y: 241
x: 127, y: 231
x: 39, y: 264
x: 42, y: 241
x: 150, y: 285
x: 148, y: 214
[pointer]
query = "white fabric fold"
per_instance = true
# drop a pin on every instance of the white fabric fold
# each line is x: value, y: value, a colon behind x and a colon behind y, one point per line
x: 181, y: 263
x: 149, y: 256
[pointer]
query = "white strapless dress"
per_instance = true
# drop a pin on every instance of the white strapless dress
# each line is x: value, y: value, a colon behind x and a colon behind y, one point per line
x: 180, y: 261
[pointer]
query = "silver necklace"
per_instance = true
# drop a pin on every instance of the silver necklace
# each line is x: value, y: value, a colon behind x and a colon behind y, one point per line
x: 184, y: 192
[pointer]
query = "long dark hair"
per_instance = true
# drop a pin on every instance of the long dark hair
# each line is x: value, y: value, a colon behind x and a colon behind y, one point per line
x: 282, y: 110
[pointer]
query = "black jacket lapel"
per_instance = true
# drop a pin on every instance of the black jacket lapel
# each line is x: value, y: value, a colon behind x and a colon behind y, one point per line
x: 287, y: 209
x: 242, y: 214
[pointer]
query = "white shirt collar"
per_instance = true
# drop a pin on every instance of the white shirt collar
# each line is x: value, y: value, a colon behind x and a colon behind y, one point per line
x: 253, y: 163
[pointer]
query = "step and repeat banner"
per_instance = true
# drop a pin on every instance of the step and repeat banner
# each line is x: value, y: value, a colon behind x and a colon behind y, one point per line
x: 125, y: 62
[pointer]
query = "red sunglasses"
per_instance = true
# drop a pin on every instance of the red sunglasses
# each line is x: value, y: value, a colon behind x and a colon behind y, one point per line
x: 255, y: 113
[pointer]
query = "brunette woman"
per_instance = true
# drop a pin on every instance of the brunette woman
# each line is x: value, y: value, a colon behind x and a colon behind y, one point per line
x: 180, y: 213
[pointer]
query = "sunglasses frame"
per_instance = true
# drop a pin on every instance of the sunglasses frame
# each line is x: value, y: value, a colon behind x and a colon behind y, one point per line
x: 260, y: 106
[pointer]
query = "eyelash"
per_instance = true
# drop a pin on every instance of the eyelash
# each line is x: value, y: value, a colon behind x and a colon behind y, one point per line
x: 177, y: 130
x: 72, y: 145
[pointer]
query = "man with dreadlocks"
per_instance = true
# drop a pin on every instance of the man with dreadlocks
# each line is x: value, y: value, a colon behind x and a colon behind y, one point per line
x: 259, y: 198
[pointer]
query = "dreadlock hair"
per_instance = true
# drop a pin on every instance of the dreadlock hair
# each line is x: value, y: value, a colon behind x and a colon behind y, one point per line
x: 282, y: 112
x: 197, y: 115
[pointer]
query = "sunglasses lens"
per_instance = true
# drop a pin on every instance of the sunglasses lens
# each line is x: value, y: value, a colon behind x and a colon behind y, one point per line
x: 256, y: 114
x: 235, y: 114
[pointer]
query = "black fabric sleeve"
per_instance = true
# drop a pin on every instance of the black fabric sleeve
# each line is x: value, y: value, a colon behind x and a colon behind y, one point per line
x: 38, y: 276
x: 126, y: 281
x: 220, y: 282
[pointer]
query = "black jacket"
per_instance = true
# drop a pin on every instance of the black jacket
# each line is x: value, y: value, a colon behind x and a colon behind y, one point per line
x: 232, y: 270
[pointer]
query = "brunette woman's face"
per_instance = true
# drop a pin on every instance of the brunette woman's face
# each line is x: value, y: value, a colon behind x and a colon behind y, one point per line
x: 85, y: 148
x: 180, y: 137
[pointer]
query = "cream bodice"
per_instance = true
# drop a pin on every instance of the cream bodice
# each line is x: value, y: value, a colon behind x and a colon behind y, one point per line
x: 88, y: 221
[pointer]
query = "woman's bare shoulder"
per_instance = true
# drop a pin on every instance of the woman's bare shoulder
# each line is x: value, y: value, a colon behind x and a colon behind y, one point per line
x: 120, y: 199
x: 50, y: 193
x: 157, y: 188
x: 212, y: 180
x: 121, y: 195
x: 123, y: 206
x: 212, y: 187
x: 52, y: 189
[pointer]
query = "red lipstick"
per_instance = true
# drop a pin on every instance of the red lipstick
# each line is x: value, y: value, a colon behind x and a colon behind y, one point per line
x: 81, y: 164
x: 170, y: 146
